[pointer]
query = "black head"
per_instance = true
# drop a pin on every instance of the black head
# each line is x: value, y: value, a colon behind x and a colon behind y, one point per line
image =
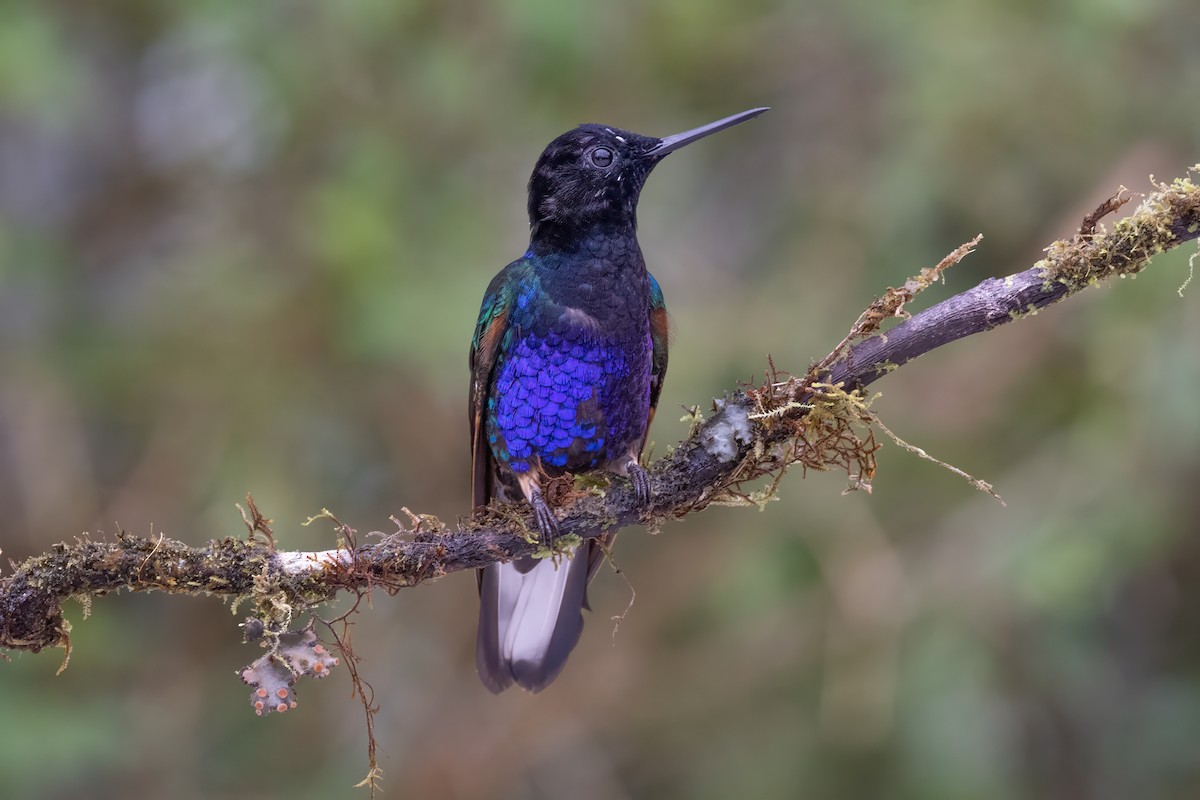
x: 592, y: 175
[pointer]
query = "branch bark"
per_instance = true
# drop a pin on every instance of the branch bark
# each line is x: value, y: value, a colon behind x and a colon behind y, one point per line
x: 755, y: 431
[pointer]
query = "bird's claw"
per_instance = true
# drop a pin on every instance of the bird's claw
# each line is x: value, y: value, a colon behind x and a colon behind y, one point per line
x: 546, y: 523
x: 641, y: 483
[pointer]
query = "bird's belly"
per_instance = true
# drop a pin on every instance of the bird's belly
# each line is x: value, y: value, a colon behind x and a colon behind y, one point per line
x: 569, y: 401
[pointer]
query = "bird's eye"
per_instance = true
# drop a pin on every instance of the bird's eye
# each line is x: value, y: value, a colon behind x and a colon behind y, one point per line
x: 602, y: 157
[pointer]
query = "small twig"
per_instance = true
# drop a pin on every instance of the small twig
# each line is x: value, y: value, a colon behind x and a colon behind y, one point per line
x: 255, y: 522
x: 982, y: 486
x: 1109, y: 206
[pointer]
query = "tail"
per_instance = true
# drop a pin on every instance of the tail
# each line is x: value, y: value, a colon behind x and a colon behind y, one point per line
x: 530, y: 618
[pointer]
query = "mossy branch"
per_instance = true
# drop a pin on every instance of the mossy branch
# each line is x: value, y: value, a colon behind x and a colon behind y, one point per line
x: 819, y: 421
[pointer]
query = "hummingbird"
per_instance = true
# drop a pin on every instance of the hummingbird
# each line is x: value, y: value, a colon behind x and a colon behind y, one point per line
x: 567, y: 364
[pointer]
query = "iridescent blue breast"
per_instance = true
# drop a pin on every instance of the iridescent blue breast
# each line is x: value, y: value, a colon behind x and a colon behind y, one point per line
x: 566, y: 396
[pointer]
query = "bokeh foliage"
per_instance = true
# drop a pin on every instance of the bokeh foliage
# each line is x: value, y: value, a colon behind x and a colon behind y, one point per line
x: 242, y: 246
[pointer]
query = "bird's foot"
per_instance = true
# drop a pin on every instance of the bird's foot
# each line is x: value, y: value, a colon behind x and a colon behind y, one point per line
x: 546, y: 523
x: 641, y: 482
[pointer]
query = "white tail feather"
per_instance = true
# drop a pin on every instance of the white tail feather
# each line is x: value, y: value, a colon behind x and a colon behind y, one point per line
x: 530, y: 618
x: 528, y: 609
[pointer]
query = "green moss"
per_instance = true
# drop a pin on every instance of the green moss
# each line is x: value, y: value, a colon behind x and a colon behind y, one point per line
x: 1125, y: 249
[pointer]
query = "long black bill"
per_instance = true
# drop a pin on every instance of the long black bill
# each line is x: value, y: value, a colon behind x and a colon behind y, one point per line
x: 670, y: 144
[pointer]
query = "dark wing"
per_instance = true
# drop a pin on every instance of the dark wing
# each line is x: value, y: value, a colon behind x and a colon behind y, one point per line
x: 660, y: 332
x: 530, y: 613
x: 485, y: 344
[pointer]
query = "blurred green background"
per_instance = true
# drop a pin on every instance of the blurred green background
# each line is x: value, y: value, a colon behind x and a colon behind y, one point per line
x: 242, y: 247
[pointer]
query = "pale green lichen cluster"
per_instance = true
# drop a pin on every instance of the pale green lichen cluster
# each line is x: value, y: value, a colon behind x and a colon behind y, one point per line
x: 730, y: 427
